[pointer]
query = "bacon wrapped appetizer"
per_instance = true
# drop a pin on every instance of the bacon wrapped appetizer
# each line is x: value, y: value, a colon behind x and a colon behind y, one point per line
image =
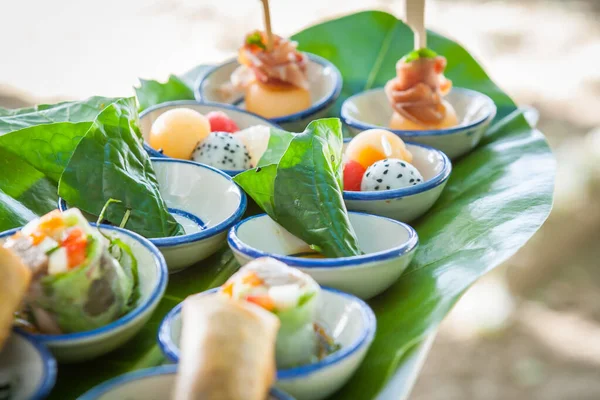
x: 274, y: 80
x: 416, y: 93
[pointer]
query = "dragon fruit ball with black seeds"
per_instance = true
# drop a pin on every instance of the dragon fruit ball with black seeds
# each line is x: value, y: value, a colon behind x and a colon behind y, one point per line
x: 390, y: 174
x: 222, y: 150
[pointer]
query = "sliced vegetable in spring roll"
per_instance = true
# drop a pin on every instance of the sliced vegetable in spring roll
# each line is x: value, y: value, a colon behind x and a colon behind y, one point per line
x: 289, y: 294
x: 227, y: 350
x: 14, y: 281
x: 78, y: 282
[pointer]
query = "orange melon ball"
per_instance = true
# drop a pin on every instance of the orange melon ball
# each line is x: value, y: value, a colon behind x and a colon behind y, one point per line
x: 178, y: 131
x: 373, y: 145
x: 400, y: 123
x: 276, y: 101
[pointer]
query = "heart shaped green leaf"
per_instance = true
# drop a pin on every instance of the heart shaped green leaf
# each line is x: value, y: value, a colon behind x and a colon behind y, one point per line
x: 298, y: 182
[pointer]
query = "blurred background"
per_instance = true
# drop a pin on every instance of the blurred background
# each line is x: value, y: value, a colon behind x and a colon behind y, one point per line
x: 529, y: 330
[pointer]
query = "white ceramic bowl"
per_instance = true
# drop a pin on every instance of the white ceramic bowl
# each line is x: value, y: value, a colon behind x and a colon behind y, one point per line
x: 325, y: 87
x: 204, y: 200
x: 242, y: 118
x: 27, y: 369
x: 409, y: 203
x: 350, y: 322
x: 389, y: 247
x: 475, y: 111
x: 153, y: 277
x: 147, y: 384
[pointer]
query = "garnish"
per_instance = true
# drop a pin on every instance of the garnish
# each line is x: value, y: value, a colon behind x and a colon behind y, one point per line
x: 256, y: 39
x: 417, y: 54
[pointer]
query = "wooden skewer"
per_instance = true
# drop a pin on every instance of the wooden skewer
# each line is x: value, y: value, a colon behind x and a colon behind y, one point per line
x: 415, y: 18
x: 267, y: 15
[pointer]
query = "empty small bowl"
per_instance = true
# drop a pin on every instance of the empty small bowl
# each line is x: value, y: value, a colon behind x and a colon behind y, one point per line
x: 242, y: 118
x: 325, y: 87
x: 153, y: 276
x: 409, y: 203
x: 148, y: 384
x: 204, y: 200
x: 350, y: 322
x: 371, y: 109
x: 27, y: 369
x: 389, y: 247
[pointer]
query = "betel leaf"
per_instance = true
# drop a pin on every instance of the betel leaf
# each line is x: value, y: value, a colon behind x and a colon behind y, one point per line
x: 110, y: 163
x: 26, y: 186
x: 46, y: 136
x: 300, y: 188
x: 43, y: 145
x: 151, y: 92
x: 496, y: 198
x: 45, y: 114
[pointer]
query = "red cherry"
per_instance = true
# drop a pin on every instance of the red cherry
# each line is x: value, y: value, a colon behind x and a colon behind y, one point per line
x: 353, y: 174
x: 220, y: 122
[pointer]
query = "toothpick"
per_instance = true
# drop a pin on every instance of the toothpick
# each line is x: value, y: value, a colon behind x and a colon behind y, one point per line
x: 267, y: 15
x: 415, y: 18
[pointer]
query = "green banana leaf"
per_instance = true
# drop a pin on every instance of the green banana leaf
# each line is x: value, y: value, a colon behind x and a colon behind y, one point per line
x: 495, y: 200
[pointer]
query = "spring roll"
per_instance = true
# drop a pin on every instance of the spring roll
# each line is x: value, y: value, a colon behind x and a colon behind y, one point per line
x: 289, y: 294
x: 227, y: 350
x: 77, y: 283
x: 14, y: 281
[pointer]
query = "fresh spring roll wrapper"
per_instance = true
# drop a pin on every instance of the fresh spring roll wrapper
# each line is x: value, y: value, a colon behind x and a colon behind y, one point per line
x: 87, y: 296
x: 14, y: 282
x: 227, y: 350
x: 289, y: 294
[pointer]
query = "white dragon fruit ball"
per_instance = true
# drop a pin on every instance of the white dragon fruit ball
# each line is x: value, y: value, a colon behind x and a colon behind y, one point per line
x: 222, y: 150
x: 389, y: 174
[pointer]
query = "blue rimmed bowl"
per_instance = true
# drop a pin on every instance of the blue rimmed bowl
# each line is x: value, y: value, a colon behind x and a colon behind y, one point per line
x: 409, y: 203
x: 325, y: 82
x: 204, y: 200
x: 27, y: 369
x: 389, y: 247
x: 371, y: 109
x: 153, y: 277
x: 148, y: 384
x: 350, y: 322
x: 242, y: 118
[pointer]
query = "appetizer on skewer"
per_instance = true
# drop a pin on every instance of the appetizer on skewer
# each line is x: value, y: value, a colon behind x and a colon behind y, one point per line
x: 293, y: 297
x: 76, y: 278
x: 274, y: 80
x: 416, y: 93
x: 228, y: 350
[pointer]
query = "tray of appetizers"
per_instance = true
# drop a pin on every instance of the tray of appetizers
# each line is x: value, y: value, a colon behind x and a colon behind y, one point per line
x: 293, y: 223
